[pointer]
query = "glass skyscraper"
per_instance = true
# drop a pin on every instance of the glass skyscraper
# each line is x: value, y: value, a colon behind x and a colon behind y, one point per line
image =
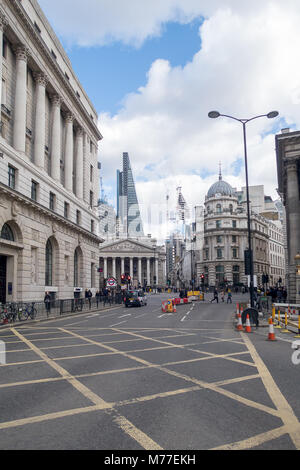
x: 127, y: 203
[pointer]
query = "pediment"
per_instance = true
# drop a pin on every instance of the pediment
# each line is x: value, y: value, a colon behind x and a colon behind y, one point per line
x: 126, y: 246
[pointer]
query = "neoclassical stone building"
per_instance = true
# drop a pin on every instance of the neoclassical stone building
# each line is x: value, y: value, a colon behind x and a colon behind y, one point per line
x: 48, y: 163
x: 288, y: 171
x: 225, y: 238
x: 143, y: 261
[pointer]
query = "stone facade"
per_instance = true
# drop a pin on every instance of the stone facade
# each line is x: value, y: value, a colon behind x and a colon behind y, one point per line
x: 288, y: 171
x: 225, y: 238
x: 145, y: 263
x: 49, y: 177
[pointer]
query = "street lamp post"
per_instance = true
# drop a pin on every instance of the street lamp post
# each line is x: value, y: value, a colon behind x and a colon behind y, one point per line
x: 272, y: 114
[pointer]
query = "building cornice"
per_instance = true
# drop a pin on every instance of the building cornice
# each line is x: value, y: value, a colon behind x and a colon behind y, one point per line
x: 18, y: 197
x: 46, y: 54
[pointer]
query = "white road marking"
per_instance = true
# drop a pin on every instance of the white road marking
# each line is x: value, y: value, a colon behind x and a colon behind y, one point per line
x: 126, y: 315
x: 117, y: 323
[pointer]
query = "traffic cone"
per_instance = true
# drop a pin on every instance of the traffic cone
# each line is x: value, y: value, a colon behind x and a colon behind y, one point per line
x: 271, y: 336
x: 239, y: 326
x: 174, y: 308
x: 248, y: 327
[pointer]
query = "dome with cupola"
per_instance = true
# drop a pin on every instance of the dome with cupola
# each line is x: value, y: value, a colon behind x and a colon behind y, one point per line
x: 220, y: 188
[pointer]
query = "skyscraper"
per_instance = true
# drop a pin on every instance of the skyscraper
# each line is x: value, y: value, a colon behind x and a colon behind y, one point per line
x: 127, y: 203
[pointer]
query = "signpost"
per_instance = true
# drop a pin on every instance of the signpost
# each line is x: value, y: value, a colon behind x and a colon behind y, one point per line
x: 111, y: 282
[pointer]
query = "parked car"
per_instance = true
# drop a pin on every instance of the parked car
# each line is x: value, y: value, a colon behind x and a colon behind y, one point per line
x: 134, y: 298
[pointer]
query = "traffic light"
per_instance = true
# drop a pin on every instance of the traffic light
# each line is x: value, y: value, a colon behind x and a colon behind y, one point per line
x: 202, y: 278
x: 123, y: 277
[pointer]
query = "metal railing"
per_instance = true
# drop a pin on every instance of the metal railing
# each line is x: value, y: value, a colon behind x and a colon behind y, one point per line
x: 12, y: 311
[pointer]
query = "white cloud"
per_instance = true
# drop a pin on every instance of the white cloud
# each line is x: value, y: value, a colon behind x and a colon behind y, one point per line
x: 248, y: 65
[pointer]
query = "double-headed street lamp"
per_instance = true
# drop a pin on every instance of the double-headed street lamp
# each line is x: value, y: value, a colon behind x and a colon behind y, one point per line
x: 271, y: 115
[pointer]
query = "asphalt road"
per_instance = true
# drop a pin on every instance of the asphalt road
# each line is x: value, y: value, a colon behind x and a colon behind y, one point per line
x: 138, y: 378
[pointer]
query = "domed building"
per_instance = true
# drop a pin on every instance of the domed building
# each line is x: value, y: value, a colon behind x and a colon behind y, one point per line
x: 225, y: 240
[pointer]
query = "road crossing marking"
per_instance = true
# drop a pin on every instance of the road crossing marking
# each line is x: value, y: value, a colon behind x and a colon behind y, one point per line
x: 145, y: 441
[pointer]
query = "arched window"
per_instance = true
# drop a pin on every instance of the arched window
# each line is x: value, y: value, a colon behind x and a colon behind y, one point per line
x: 230, y: 208
x: 7, y: 233
x: 49, y: 264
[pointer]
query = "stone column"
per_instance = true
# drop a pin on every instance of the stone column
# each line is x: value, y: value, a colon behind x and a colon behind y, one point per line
x: 69, y: 153
x: 3, y: 23
x: 79, y: 164
x: 131, y: 268
x: 140, y: 271
x: 56, y: 138
x: 40, y: 120
x: 105, y: 268
x: 122, y: 266
x: 114, y: 267
x: 292, y: 202
x: 156, y: 270
x: 19, y: 133
x: 148, y: 271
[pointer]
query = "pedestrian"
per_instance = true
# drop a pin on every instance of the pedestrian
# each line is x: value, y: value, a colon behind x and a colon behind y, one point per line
x: 229, y: 296
x: 215, y: 296
x: 47, y: 300
x: 89, y: 296
x: 105, y: 296
x: 222, y: 295
x: 97, y: 297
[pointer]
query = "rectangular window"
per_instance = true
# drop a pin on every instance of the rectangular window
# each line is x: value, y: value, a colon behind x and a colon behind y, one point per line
x: 219, y: 253
x: 92, y: 226
x: 78, y: 217
x: 218, y: 223
x: 91, y: 198
x: 233, y: 238
x: 91, y: 173
x: 11, y: 177
x: 234, y: 223
x: 66, y: 210
x: 234, y: 253
x: 34, y: 190
x: 219, y: 239
x: 52, y: 201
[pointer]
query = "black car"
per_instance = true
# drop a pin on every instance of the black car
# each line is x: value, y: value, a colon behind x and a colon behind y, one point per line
x: 134, y: 298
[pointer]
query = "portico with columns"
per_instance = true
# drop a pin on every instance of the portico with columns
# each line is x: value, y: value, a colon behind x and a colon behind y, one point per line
x: 144, y: 263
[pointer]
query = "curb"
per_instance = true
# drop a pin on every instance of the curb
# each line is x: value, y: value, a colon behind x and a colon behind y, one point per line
x: 68, y: 315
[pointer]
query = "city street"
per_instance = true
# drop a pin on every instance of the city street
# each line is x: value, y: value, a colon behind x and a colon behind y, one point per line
x: 141, y: 379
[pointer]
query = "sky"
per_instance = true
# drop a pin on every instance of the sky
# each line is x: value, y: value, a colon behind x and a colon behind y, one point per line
x: 153, y: 71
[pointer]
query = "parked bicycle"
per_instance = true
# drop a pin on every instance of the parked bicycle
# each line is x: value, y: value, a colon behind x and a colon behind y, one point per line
x: 29, y: 311
x: 8, y: 313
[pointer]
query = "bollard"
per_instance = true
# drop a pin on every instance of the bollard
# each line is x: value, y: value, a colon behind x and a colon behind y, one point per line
x: 298, y: 335
x: 273, y: 315
x: 285, y: 330
x: 278, y: 319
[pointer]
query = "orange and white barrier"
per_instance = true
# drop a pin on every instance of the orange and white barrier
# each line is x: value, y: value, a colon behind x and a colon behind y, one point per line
x: 271, y: 336
x: 239, y: 326
x: 248, y: 327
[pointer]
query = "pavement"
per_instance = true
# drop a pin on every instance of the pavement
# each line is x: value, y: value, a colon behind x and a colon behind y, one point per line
x: 141, y: 379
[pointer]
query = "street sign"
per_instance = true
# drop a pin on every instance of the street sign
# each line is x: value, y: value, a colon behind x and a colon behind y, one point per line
x: 111, y: 282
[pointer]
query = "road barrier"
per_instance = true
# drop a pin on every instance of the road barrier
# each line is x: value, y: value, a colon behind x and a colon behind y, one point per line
x: 248, y: 327
x: 288, y: 317
x: 271, y: 335
x: 239, y: 326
